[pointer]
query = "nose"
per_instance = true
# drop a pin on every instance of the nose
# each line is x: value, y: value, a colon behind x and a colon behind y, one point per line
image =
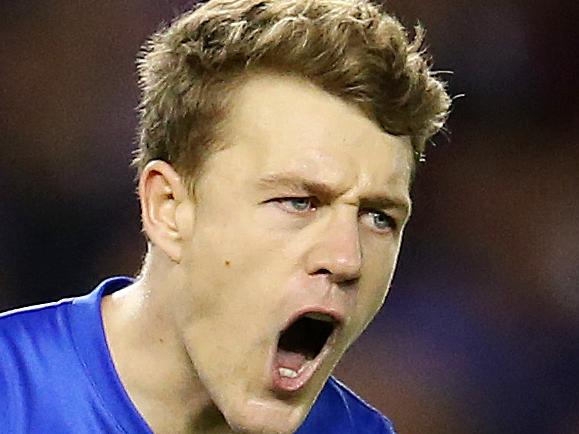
x: 336, y: 250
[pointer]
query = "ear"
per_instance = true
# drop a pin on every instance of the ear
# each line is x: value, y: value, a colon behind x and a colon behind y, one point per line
x: 165, y: 204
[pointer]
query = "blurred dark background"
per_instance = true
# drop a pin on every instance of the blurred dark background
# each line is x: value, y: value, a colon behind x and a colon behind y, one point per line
x: 480, y: 333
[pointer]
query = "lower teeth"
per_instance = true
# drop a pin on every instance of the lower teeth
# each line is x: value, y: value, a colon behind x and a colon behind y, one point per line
x: 289, y: 373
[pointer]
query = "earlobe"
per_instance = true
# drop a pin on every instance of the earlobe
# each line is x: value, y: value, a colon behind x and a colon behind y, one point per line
x: 162, y: 196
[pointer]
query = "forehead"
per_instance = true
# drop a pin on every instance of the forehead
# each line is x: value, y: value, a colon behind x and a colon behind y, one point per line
x: 285, y: 124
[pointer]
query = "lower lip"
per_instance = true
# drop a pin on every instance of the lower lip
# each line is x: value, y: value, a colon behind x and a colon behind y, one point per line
x: 292, y: 385
x: 287, y: 385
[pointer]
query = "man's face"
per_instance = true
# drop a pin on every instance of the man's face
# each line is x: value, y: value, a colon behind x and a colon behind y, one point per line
x: 296, y: 228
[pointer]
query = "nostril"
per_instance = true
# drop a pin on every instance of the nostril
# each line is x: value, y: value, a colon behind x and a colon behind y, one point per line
x: 350, y: 283
x: 346, y: 280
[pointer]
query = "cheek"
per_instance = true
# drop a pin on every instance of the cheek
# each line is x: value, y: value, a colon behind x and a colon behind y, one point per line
x: 370, y: 301
x: 243, y: 241
x: 229, y: 261
x: 377, y: 274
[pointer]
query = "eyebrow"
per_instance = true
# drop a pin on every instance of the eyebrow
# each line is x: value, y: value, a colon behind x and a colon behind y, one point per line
x: 298, y: 185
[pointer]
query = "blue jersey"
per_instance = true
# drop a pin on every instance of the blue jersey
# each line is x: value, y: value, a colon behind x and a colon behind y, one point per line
x: 57, y: 376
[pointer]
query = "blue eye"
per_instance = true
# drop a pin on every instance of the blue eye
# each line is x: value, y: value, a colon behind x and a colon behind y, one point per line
x: 381, y: 221
x: 296, y: 204
x: 300, y: 203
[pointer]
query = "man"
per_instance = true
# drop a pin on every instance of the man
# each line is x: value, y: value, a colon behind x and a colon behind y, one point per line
x: 278, y: 140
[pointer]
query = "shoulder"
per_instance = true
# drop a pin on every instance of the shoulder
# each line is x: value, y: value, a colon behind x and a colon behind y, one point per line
x: 338, y: 410
x: 34, y: 340
x: 54, y: 356
x: 21, y: 328
x: 34, y: 344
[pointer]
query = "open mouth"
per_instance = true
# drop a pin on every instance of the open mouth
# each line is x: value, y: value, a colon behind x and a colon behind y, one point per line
x: 301, y: 347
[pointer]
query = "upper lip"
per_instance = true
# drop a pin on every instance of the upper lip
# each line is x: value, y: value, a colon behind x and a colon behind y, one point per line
x: 337, y: 317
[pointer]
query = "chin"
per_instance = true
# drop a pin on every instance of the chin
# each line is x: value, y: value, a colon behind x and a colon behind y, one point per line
x: 267, y: 416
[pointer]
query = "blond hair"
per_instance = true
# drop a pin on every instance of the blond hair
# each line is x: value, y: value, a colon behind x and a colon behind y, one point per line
x: 349, y: 48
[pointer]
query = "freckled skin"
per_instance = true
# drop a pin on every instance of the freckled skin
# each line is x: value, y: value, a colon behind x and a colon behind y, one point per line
x: 223, y: 320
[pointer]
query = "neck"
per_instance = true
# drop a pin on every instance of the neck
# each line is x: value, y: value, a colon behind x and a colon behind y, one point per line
x: 153, y: 364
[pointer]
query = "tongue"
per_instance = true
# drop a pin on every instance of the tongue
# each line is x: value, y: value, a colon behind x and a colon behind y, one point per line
x: 291, y: 360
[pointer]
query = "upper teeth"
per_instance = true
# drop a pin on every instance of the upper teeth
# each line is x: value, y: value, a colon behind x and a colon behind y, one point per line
x: 319, y: 316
